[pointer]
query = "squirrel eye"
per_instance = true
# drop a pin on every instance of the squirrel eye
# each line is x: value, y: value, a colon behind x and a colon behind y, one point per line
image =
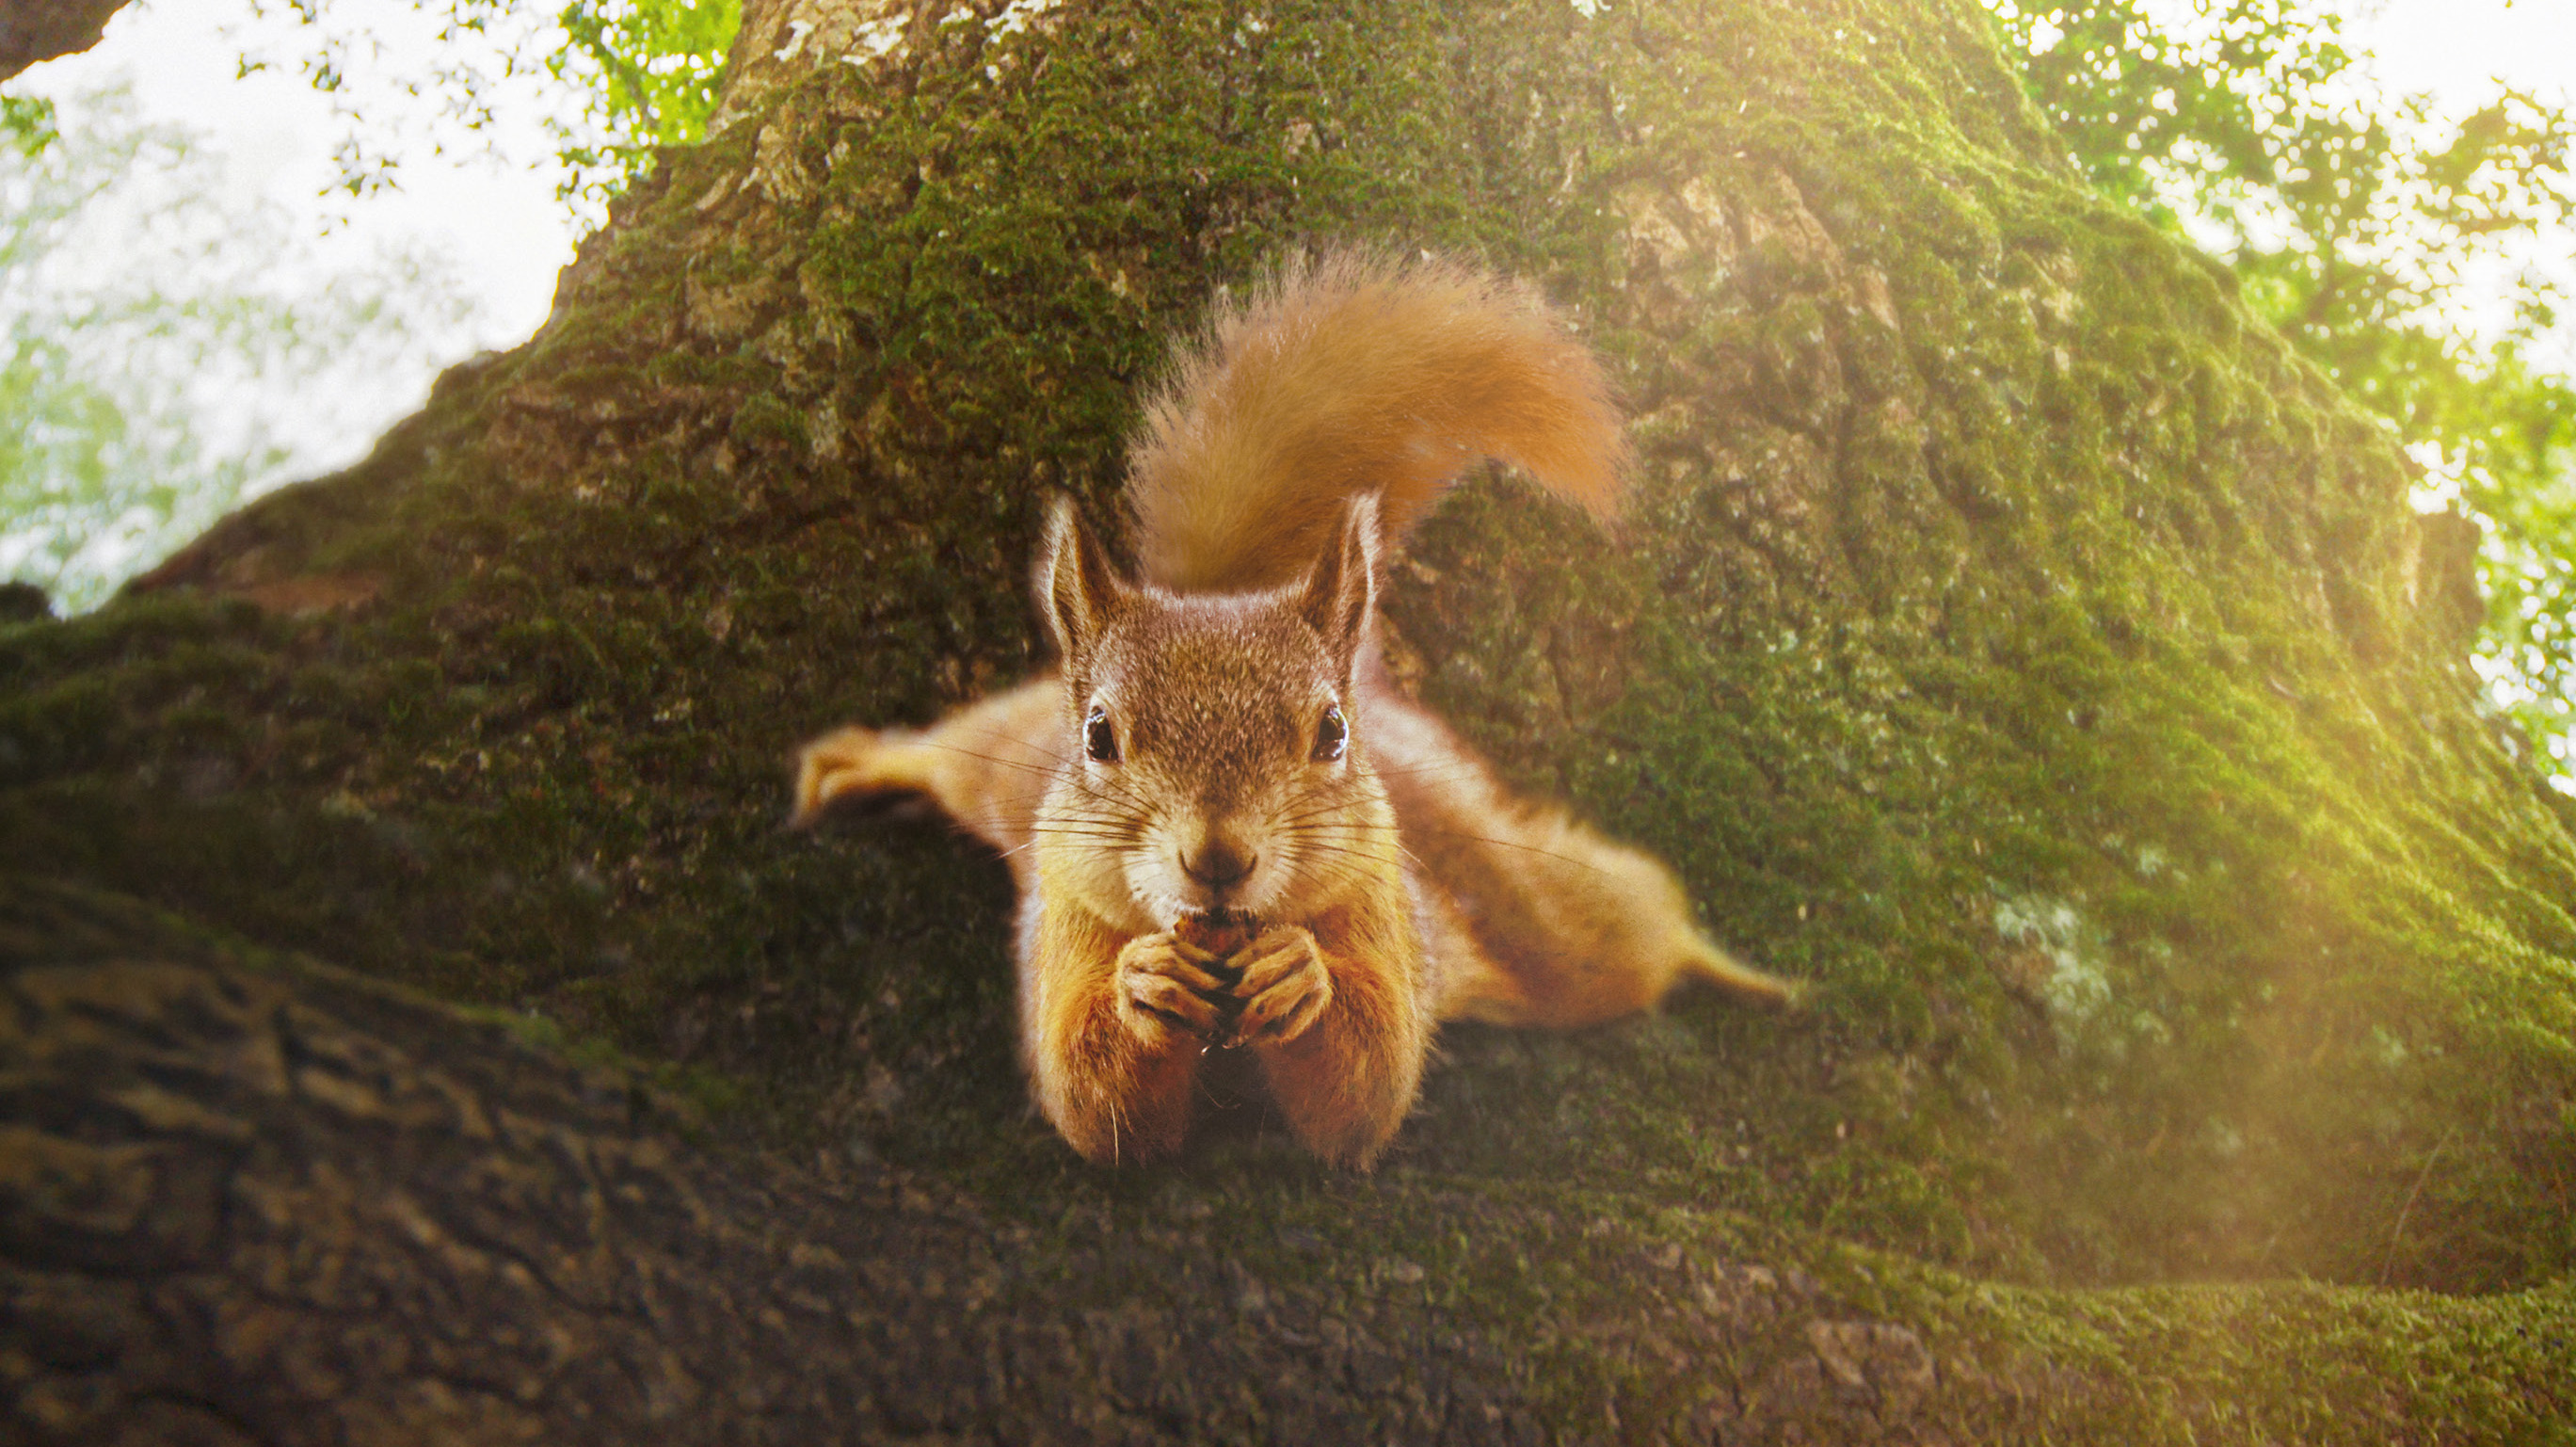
x: 1100, y: 736
x: 1332, y: 735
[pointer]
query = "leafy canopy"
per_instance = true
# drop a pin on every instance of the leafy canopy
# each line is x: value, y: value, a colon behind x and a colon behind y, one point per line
x: 614, y: 79
x: 2369, y: 228
x: 165, y: 343
x: 26, y: 123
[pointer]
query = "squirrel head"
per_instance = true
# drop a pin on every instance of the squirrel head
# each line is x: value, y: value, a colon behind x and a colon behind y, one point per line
x: 1215, y: 764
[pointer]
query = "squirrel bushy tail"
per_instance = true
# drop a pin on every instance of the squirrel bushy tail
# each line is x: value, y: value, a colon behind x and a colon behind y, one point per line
x: 1356, y: 373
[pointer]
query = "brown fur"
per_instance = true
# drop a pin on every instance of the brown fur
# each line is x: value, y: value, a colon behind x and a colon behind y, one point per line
x: 1356, y: 374
x: 1198, y: 867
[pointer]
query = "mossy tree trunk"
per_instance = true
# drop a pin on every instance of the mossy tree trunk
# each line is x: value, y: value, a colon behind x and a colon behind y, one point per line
x: 32, y: 31
x: 2012, y: 638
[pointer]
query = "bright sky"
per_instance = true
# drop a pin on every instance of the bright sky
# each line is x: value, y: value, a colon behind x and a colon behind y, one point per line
x: 2457, y: 47
x: 495, y: 217
x: 2459, y: 51
x: 491, y: 212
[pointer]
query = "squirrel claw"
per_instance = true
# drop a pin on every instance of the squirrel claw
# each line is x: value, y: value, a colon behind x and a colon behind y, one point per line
x: 1284, y: 988
x: 1166, y: 990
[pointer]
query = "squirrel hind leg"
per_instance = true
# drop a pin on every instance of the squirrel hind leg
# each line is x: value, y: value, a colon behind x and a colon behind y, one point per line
x: 1622, y: 934
x: 830, y: 769
x: 861, y: 766
x: 1546, y: 922
x: 1466, y: 983
x: 1710, y: 965
x: 986, y: 765
x: 1531, y: 917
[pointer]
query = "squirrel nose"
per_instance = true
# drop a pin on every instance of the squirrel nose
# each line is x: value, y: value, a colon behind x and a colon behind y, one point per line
x: 1219, y: 864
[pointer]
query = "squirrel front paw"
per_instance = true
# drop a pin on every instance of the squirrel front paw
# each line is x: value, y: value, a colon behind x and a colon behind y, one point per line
x: 1284, y: 987
x: 1168, y: 987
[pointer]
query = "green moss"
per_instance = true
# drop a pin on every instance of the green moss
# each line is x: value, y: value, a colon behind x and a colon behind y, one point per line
x: 764, y: 421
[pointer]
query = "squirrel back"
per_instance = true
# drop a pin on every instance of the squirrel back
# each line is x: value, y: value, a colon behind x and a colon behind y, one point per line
x: 1349, y: 374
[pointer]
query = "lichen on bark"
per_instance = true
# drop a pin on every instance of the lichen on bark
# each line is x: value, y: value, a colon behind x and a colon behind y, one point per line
x: 2011, y: 637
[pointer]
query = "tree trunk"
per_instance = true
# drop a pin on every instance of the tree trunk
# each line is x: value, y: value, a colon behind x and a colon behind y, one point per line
x: 2011, y: 637
x: 39, y: 30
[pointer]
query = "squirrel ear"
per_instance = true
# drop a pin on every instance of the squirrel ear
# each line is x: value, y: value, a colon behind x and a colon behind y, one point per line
x: 1343, y: 587
x: 1077, y: 590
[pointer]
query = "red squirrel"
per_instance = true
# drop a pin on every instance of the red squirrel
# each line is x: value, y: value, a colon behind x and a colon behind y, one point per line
x: 1228, y: 826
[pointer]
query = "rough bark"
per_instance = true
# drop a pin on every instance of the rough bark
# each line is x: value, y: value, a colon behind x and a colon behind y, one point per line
x: 2013, y: 638
x: 39, y: 30
x: 276, y: 1203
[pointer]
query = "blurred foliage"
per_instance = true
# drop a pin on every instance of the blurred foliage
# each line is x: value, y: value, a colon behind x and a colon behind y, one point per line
x: 652, y: 67
x: 613, y: 79
x: 158, y: 344
x: 2371, y: 229
x: 26, y: 123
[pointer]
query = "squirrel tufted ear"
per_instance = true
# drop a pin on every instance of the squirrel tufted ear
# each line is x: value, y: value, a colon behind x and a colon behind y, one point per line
x: 1077, y: 589
x: 1342, y: 589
